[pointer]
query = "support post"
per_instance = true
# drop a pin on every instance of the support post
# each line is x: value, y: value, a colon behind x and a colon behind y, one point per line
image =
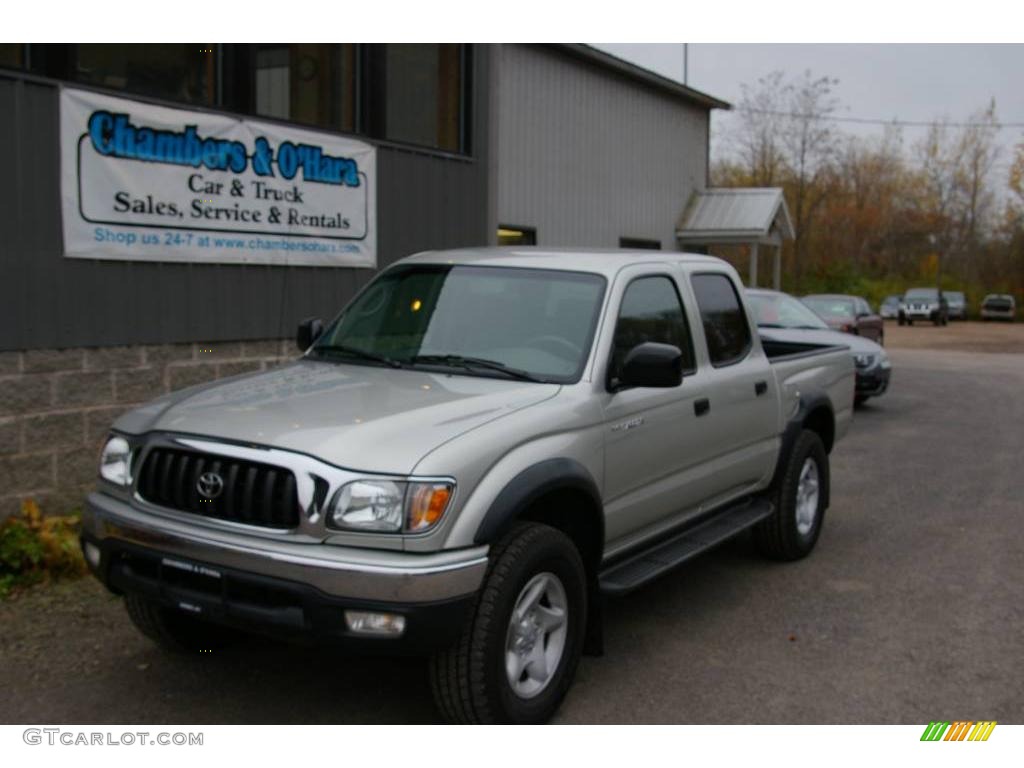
x: 777, y: 268
x: 752, y: 276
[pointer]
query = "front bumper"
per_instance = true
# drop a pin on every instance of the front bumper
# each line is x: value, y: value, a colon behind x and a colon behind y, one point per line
x: 998, y: 314
x: 271, y: 585
x: 873, y: 382
x: 921, y: 314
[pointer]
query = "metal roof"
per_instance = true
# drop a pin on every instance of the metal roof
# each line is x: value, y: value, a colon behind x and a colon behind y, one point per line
x: 646, y: 76
x: 736, y: 215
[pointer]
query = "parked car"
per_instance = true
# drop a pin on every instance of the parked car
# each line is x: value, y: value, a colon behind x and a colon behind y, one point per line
x: 782, y: 318
x: 481, y: 444
x: 924, y: 304
x: 956, y: 304
x: 849, y: 314
x: 998, y: 306
x: 890, y: 309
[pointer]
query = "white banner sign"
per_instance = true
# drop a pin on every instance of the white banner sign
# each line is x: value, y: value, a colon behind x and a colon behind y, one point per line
x: 149, y: 183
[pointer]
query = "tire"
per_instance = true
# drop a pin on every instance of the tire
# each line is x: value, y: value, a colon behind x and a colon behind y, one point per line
x: 469, y: 680
x: 174, y: 630
x: 910, y: 322
x: 901, y: 321
x: 781, y: 536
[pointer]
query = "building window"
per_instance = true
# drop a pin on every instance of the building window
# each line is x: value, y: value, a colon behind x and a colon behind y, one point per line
x: 417, y: 94
x: 638, y: 243
x: 310, y: 83
x: 12, y: 55
x: 174, y: 71
x: 510, y: 235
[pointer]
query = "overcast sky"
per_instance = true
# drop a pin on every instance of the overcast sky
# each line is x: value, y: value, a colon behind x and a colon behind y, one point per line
x: 908, y: 82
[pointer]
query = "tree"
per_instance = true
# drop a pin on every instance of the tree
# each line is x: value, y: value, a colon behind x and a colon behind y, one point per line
x: 761, y: 112
x: 977, y: 153
x: 810, y: 143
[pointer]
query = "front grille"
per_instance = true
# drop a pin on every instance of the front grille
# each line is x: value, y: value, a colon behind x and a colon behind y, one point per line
x: 252, y: 493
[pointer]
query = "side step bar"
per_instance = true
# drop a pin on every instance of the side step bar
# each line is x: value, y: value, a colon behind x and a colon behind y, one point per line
x: 642, y: 567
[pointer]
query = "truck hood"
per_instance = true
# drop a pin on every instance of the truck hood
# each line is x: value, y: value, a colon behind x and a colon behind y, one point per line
x: 357, y: 417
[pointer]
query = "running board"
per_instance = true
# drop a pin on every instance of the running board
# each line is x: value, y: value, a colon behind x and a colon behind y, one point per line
x: 650, y: 563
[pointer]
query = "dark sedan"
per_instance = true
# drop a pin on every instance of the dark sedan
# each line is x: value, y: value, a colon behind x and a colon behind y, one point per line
x: 780, y: 317
x: 849, y: 314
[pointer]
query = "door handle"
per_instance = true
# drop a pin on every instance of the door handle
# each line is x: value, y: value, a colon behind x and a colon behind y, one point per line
x: 702, y: 406
x: 760, y: 388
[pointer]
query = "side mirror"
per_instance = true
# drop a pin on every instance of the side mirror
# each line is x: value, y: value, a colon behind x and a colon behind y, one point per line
x: 309, y: 331
x: 652, y: 365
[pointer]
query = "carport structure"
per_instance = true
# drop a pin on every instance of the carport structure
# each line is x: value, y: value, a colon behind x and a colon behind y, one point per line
x: 752, y: 216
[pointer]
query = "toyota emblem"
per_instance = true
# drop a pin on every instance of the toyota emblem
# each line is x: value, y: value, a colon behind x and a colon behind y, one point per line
x: 210, y: 485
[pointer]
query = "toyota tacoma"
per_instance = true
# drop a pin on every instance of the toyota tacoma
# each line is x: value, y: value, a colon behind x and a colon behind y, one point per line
x: 475, y: 451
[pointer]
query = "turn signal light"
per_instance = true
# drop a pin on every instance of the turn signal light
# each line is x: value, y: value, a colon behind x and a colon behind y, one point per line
x: 426, y: 505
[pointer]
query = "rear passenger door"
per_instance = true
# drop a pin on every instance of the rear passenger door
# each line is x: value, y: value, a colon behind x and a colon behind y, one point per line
x: 743, y: 402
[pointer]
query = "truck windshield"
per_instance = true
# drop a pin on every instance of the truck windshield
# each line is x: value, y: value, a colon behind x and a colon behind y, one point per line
x: 777, y: 310
x: 532, y: 324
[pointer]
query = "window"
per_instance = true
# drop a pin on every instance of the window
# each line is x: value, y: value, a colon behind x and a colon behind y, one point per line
x: 174, y: 71
x: 510, y: 235
x: 536, y: 320
x: 417, y: 94
x: 12, y: 55
x: 725, y: 323
x: 310, y: 83
x: 650, y: 311
x: 639, y: 243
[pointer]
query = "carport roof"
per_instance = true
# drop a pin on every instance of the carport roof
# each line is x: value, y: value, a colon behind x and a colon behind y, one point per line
x: 735, y: 216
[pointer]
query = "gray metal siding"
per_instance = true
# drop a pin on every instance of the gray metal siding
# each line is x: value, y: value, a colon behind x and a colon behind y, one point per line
x: 588, y: 156
x: 425, y: 200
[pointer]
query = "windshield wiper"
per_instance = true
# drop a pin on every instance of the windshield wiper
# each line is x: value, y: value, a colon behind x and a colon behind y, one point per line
x: 770, y: 325
x: 355, y: 351
x: 461, y: 361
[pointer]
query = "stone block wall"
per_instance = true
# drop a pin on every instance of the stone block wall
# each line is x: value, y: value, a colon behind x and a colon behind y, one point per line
x: 56, y: 406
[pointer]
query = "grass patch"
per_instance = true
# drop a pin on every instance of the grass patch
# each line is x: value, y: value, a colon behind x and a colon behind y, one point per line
x: 34, y: 548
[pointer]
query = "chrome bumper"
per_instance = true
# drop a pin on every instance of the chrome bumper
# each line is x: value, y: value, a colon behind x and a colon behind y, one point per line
x: 345, y: 572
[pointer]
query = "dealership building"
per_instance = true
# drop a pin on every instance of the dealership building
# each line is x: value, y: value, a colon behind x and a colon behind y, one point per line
x: 169, y: 212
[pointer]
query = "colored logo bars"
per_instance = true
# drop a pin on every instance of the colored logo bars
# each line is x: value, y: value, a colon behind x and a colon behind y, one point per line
x: 961, y: 730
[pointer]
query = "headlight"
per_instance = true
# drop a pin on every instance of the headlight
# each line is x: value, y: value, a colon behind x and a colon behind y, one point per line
x: 863, y: 360
x: 114, y: 461
x: 390, y: 506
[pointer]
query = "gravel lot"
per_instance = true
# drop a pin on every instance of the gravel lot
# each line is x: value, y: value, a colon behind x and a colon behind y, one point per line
x: 911, y: 609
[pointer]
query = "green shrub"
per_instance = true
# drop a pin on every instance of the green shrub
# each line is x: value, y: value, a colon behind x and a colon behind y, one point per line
x: 34, y: 548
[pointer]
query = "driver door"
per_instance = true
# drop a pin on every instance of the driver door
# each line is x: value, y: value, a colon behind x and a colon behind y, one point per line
x: 649, y: 432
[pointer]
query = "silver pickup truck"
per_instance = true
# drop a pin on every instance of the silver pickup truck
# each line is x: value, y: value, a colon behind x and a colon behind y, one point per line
x: 476, y: 450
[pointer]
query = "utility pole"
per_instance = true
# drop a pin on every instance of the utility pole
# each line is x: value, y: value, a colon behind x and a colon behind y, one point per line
x: 686, y: 63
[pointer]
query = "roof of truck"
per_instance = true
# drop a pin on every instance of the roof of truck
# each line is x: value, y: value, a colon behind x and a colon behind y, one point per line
x: 605, y: 261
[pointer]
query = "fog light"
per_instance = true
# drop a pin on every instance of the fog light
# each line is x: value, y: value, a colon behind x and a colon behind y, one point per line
x: 369, y: 623
x: 92, y: 554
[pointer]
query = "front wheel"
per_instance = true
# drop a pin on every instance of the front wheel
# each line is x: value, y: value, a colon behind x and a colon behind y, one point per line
x: 792, y: 530
x: 518, y: 653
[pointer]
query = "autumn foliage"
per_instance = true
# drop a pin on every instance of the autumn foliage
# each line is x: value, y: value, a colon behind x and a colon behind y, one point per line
x: 877, y: 215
